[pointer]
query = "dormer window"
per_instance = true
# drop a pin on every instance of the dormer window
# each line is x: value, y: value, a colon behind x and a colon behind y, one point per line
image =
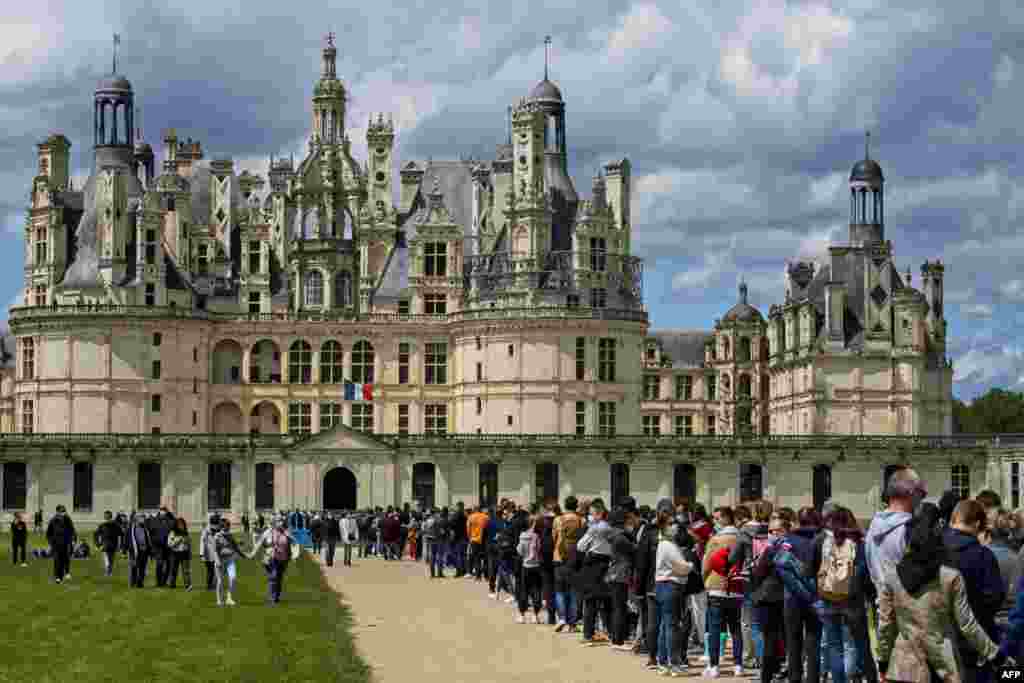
x: 435, y: 259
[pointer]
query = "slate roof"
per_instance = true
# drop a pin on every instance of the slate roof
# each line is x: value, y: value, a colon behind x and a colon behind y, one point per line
x: 684, y: 347
x: 8, y: 357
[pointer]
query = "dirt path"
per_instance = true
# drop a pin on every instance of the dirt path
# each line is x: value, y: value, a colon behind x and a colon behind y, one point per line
x: 411, y: 628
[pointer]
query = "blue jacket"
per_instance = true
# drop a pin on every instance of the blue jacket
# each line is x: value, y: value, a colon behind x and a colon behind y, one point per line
x: 977, y: 564
x: 1013, y: 639
x: 802, y: 541
x: 494, y: 525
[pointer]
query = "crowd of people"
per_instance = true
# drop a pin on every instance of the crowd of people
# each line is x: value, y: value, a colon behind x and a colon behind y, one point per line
x: 929, y: 592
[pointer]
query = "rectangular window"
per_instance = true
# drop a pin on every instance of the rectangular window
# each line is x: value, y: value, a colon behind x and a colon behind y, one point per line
x: 652, y: 387
x: 150, y: 254
x: 488, y: 483
x: 254, y: 257
x: 403, y: 307
x: 572, y: 300
x: 300, y: 417
x: 712, y: 384
x: 254, y: 302
x: 545, y: 482
x: 961, y: 480
x: 435, y: 259
x: 619, y: 476
x: 362, y: 417
x: 581, y: 418
x: 479, y: 372
x: 435, y: 418
x: 403, y: 419
x: 151, y: 295
x: 218, y: 486
x: 684, y: 425
x: 1015, y: 485
x: 41, y: 247
x: 598, y: 297
x: 195, y: 418
x: 403, y: 362
x: 684, y: 387
x: 39, y: 293
x: 158, y: 339
x: 330, y: 415
x: 15, y: 485
x: 652, y: 425
x: 479, y: 344
x: 479, y: 406
x: 155, y: 430
x: 195, y: 354
x: 203, y: 261
x: 606, y: 418
x: 82, y: 494
x: 28, y: 357
x: 435, y: 304
x: 28, y: 416
x: 606, y: 360
x: 711, y: 424
x: 149, y: 486
x: 264, y: 493
x: 156, y: 369
x: 598, y: 254
x: 155, y: 402
x: 436, y: 363
x: 151, y: 235
x: 581, y: 358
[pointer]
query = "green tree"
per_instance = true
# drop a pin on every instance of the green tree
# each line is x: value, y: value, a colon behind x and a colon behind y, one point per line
x: 995, y: 412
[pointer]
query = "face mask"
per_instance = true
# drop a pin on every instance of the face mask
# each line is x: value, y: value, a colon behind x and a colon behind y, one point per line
x: 592, y: 519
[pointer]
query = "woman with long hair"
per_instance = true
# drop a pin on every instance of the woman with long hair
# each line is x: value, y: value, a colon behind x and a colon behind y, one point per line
x: 842, y: 571
x: 180, y: 546
x: 530, y: 554
x: 923, y: 611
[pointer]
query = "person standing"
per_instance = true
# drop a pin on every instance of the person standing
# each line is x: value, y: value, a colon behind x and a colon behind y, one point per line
x: 349, y: 535
x: 139, y: 548
x: 38, y: 522
x: 179, y: 544
x: 459, y: 539
x: 108, y: 539
x: 476, y: 523
x: 19, y: 539
x: 725, y: 594
x: 333, y: 535
x: 159, y: 529
x: 565, y: 532
x: 593, y: 556
x: 441, y: 530
x: 316, y: 533
x: 206, y: 548
x: 60, y: 533
x: 226, y: 552
x: 245, y: 524
x: 619, y: 574
x: 277, y: 543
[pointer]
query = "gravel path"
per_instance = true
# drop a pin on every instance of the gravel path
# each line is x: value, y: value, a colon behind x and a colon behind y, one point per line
x: 411, y: 628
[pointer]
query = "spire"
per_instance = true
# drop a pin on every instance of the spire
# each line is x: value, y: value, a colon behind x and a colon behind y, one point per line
x: 547, y: 44
x: 329, y: 54
x: 509, y: 125
x: 743, y: 291
x: 117, y: 41
x: 867, y: 142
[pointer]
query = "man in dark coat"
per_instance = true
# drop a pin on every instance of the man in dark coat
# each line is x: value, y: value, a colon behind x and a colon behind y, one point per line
x: 60, y: 533
x: 108, y: 539
x: 159, y: 529
x: 460, y: 538
x: 140, y: 546
x: 332, y: 537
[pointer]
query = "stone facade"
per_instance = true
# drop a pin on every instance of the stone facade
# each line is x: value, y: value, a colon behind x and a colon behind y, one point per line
x: 477, y: 301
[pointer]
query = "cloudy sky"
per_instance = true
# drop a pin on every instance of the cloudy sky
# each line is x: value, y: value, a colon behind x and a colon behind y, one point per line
x: 741, y: 123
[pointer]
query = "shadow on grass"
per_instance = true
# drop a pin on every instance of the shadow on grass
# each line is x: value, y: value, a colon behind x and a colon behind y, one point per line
x: 95, y: 628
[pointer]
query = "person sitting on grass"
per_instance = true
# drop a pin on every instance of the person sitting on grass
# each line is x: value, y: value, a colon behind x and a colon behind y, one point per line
x: 278, y: 544
x: 179, y: 544
x: 226, y: 552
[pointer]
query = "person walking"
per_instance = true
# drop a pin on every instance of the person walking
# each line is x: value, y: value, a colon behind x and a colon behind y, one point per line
x: 60, y: 533
x: 139, y: 548
x: 159, y: 529
x: 316, y: 534
x: 277, y: 544
x: 18, y: 539
x: 108, y: 538
x: 179, y: 544
x: 226, y: 552
x: 245, y: 524
x: 37, y: 522
x: 332, y: 537
x: 349, y: 535
x: 205, y: 548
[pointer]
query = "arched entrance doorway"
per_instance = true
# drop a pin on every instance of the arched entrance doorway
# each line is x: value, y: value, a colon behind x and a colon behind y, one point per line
x: 821, y: 485
x: 339, y: 489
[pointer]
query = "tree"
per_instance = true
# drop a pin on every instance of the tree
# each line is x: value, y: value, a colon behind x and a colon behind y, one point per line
x: 996, y: 412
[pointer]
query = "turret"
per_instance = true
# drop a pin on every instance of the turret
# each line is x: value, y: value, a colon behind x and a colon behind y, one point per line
x: 55, y: 161
x: 867, y: 220
x: 380, y: 141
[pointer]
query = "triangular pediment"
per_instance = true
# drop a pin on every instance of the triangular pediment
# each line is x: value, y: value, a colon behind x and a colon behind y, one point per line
x: 340, y: 437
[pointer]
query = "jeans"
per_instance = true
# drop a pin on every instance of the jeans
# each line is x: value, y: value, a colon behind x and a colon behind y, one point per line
x: 476, y: 560
x: 348, y: 554
x: 275, y: 578
x: 108, y: 561
x: 184, y: 562
x: 329, y: 559
x: 226, y: 575
x: 211, y: 576
x: 565, y: 604
x: 506, y: 576
x: 667, y: 603
x: 844, y: 644
x: 18, y: 546
x: 459, y: 552
x: 699, y: 609
x: 620, y: 613
x: 769, y: 616
x: 591, y: 607
x: 438, y: 552
x: 531, y: 590
x: 61, y: 561
x: 138, y: 577
x: 803, y: 633
x: 752, y: 627
x: 725, y: 612
x: 161, y: 555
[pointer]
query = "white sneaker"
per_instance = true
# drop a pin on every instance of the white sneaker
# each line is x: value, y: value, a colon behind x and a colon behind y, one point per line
x: 230, y: 602
x: 704, y: 660
x: 67, y: 577
x: 738, y: 671
x: 492, y: 596
x: 711, y: 672
x: 23, y: 564
x: 559, y: 625
x: 521, y: 619
x: 510, y: 599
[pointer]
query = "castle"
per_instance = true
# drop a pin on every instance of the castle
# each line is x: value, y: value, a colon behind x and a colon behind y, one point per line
x: 319, y: 338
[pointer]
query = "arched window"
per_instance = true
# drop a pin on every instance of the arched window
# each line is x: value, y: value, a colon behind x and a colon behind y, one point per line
x: 343, y: 289
x: 744, y: 351
x: 362, y: 362
x: 684, y: 482
x: 314, y: 288
x: 332, y: 367
x: 960, y: 480
x: 300, y: 363
x: 744, y: 386
x: 725, y: 348
x: 619, y: 482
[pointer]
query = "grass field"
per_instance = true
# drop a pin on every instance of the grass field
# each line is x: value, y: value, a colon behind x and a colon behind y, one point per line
x: 95, y: 628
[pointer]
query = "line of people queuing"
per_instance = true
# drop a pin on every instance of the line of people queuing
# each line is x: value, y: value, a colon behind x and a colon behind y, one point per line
x: 930, y: 592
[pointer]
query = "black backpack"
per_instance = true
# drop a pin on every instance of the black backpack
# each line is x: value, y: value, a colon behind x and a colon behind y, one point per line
x: 507, y: 540
x: 59, y: 529
x: 695, y: 579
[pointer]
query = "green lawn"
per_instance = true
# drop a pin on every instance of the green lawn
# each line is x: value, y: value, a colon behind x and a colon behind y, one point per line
x: 95, y: 628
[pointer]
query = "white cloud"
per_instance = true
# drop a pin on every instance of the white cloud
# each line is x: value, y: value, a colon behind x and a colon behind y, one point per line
x: 985, y: 365
x: 642, y: 29
x: 977, y: 310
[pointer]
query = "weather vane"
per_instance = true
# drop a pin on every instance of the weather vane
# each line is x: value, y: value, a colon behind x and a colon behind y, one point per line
x: 330, y: 39
x: 117, y: 41
x: 547, y: 43
x: 867, y: 141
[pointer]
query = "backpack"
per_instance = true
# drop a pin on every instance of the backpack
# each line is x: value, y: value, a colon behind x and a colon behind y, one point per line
x: 790, y: 569
x: 59, y: 529
x: 835, y: 577
x: 507, y: 541
x: 735, y: 581
x: 758, y: 545
x: 568, y: 536
x: 281, y: 545
x: 694, y: 580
